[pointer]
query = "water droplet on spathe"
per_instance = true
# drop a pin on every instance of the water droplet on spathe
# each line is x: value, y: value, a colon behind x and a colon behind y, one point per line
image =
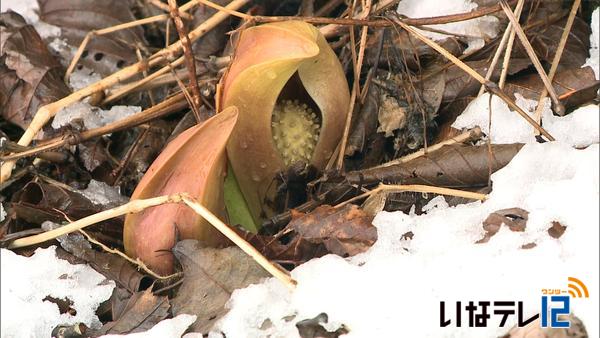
x: 308, y: 47
x: 271, y: 74
x: 263, y: 165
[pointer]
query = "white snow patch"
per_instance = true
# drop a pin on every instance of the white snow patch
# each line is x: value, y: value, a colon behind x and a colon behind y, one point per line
x: 82, y: 78
x: 92, y: 117
x: 168, y: 328
x: 103, y: 194
x: 2, y: 212
x: 594, y: 59
x: 395, y: 288
x: 26, y: 281
x: 579, y: 129
x: 477, y: 29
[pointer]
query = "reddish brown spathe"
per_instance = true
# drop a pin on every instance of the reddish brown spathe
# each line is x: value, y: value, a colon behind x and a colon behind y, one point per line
x: 194, y: 163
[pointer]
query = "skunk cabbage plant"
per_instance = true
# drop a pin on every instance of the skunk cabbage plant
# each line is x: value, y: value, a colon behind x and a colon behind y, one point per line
x: 293, y: 98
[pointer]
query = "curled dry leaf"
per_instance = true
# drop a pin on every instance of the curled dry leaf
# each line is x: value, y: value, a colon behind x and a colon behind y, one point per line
x: 113, y: 267
x: 104, y: 53
x: 291, y: 253
x: 39, y: 201
x: 142, y: 311
x: 30, y: 76
x: 451, y: 166
x: 210, y: 276
x: 391, y: 115
x: 194, y: 163
x: 577, y: 86
x: 514, y: 218
x: 345, y: 231
x: 556, y: 230
x: 293, y: 99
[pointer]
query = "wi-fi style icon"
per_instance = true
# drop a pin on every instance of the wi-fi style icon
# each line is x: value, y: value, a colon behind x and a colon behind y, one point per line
x: 577, y: 289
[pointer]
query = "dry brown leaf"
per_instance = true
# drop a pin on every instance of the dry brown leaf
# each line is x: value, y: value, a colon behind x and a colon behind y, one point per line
x: 295, y: 252
x: 104, y: 53
x: 30, y: 76
x: 112, y: 266
x: 391, y: 115
x: 343, y: 231
x: 210, y: 276
x: 364, y: 138
x: 545, y: 39
x: 514, y: 218
x: 142, y: 312
x: 39, y: 201
x: 579, y: 84
x: 556, y: 230
x: 460, y: 84
x: 212, y: 42
x: 451, y: 166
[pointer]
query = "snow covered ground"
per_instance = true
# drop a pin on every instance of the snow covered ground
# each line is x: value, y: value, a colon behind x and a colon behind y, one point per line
x: 396, y: 287
x: 26, y: 282
x: 579, y: 128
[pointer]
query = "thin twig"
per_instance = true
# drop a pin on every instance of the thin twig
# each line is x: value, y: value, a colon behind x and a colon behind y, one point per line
x: 559, y: 50
x: 470, y: 135
x: 356, y: 85
x: 118, y: 172
x: 417, y: 188
x: 138, y: 206
x: 501, y: 45
x: 165, y: 8
x: 131, y: 207
x: 145, y: 74
x: 274, y: 270
x: 128, y: 88
x: 168, y: 106
x: 328, y: 7
x: 185, y: 92
x: 506, y: 59
x: 534, y: 59
x: 533, y: 25
x: 166, y: 79
x: 360, y: 19
x: 333, y: 27
x: 137, y: 262
x: 196, y: 101
x: 492, y: 87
